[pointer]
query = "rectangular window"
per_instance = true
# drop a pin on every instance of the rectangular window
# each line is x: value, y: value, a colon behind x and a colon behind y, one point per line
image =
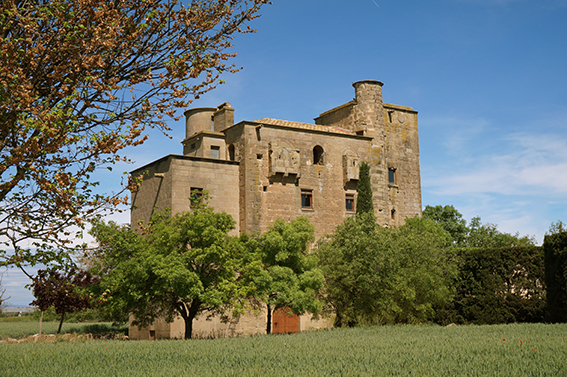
x: 196, y: 195
x: 215, y: 151
x: 392, y: 176
x: 349, y: 203
x: 306, y: 199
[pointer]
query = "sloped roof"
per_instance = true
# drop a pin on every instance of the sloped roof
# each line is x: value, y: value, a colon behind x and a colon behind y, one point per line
x: 305, y: 126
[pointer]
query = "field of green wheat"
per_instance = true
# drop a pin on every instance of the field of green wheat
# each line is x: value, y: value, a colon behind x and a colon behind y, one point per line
x: 500, y: 350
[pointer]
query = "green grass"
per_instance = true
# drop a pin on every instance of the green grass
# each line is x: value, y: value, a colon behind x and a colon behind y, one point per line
x: 13, y: 328
x: 376, y: 351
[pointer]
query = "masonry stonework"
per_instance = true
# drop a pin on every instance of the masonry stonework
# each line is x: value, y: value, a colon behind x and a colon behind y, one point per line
x: 259, y: 171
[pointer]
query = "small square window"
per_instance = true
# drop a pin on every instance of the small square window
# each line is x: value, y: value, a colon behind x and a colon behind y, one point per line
x: 215, y: 151
x: 349, y: 203
x: 392, y: 176
x: 306, y: 199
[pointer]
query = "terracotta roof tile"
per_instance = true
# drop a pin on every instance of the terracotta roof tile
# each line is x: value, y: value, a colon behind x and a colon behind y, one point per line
x: 305, y: 126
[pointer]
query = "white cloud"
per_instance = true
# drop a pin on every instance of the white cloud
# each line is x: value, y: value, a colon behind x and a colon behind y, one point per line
x: 522, y: 165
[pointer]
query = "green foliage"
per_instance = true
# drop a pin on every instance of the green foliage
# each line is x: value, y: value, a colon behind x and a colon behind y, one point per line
x: 182, y: 264
x: 450, y: 219
x: 379, y: 275
x: 497, y: 285
x: 376, y: 351
x: 488, y: 236
x: 557, y: 227
x: 364, y: 191
x: 88, y: 315
x: 475, y: 234
x: 289, y: 277
x: 555, y: 248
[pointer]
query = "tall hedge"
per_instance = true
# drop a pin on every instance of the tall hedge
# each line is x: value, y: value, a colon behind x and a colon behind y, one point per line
x: 498, y: 285
x: 555, y: 248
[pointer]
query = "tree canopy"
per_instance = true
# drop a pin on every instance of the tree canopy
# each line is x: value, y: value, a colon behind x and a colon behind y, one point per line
x: 450, y: 219
x: 65, y: 292
x: 289, y: 277
x: 380, y: 275
x: 79, y: 81
x: 475, y: 234
x: 182, y: 264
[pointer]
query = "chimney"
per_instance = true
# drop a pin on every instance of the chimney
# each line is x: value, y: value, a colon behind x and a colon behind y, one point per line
x: 223, y: 117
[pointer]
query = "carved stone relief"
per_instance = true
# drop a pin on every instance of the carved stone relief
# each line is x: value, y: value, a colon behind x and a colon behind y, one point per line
x: 284, y: 161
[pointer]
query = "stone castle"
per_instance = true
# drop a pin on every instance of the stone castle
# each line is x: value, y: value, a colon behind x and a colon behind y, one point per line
x: 258, y: 171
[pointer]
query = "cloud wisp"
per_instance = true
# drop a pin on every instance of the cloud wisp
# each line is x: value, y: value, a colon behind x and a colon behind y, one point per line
x: 524, y: 164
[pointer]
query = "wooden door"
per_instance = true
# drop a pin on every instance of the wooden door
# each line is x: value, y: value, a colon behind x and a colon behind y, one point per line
x: 285, y: 322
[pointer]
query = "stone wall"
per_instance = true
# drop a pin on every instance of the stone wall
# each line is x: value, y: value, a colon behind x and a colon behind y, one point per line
x: 277, y: 164
x: 167, y: 183
x: 251, y: 323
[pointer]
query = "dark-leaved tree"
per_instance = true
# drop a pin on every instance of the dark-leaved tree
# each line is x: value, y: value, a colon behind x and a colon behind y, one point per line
x: 65, y: 292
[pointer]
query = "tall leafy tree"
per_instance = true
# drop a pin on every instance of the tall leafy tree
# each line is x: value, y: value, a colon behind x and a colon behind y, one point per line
x: 557, y: 227
x: 289, y: 277
x: 475, y: 234
x: 450, y: 219
x: 488, y: 236
x: 380, y: 275
x: 65, y: 292
x: 364, y: 202
x: 79, y: 81
x: 182, y: 264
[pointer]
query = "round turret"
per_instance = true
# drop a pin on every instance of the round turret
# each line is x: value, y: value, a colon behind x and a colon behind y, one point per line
x: 198, y: 119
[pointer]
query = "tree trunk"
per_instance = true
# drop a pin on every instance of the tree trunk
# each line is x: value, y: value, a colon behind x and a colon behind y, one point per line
x: 61, y: 323
x: 40, y: 322
x: 188, y: 327
x: 188, y: 314
x: 269, y: 325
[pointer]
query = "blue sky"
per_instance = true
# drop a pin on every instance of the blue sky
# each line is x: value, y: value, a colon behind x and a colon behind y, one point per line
x: 488, y: 78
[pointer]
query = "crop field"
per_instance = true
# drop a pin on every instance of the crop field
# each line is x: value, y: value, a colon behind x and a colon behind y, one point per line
x: 501, y: 350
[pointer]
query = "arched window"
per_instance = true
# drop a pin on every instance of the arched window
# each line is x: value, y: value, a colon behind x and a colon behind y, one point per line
x: 318, y: 153
x: 231, y: 152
